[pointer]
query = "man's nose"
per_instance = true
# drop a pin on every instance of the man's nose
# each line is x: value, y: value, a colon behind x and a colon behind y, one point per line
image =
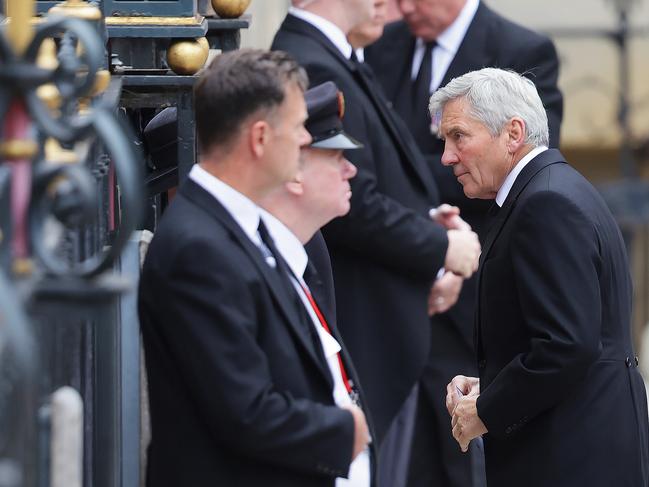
x: 349, y: 170
x: 306, y: 138
x: 448, y: 157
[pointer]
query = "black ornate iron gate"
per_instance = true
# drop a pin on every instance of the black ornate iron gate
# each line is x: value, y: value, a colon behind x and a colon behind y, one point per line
x: 73, y: 187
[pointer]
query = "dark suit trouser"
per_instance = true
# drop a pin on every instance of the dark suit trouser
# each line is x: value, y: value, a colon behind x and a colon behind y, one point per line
x: 394, y: 456
x: 435, y: 457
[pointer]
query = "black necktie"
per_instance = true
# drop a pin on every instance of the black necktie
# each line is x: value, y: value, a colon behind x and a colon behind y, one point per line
x: 363, y: 68
x: 280, y: 265
x: 421, y: 85
x: 285, y: 272
x: 421, y: 96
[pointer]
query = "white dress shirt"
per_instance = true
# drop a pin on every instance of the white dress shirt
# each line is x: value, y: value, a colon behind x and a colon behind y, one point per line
x: 329, y: 29
x: 296, y: 258
x: 513, y: 174
x: 240, y: 207
x: 448, y: 43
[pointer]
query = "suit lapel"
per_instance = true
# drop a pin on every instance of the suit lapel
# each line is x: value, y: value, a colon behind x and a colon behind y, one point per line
x: 299, y: 26
x: 197, y: 195
x: 371, y: 89
x: 399, y: 53
x: 551, y: 156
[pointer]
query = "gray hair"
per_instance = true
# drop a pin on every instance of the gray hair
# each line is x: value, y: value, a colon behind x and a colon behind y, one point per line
x: 495, y: 96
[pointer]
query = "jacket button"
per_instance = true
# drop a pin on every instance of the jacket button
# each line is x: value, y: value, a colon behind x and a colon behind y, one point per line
x: 628, y: 362
x: 637, y: 362
x: 508, y: 430
x: 482, y: 364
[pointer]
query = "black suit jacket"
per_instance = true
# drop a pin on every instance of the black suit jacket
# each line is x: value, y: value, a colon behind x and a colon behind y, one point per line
x: 239, y: 393
x: 386, y: 251
x: 561, y: 395
x: 490, y: 41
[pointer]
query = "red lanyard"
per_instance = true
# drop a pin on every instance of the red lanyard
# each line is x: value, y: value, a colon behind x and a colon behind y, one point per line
x: 323, y: 322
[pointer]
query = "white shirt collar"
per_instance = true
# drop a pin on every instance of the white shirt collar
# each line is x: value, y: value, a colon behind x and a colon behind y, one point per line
x: 360, y: 54
x: 329, y: 29
x: 447, y: 46
x: 452, y: 37
x: 242, y: 209
x: 513, y: 174
x: 287, y: 244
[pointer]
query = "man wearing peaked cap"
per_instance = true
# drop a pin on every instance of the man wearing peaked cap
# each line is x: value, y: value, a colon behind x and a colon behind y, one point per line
x: 326, y: 106
x: 295, y: 212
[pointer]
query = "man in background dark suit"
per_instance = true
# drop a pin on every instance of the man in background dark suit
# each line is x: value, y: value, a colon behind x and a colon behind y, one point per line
x: 386, y: 252
x: 468, y: 35
x: 559, y: 399
x: 240, y: 394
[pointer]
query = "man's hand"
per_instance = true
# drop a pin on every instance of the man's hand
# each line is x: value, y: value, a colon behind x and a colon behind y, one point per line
x: 361, y: 430
x: 459, y: 387
x: 449, y: 217
x: 465, y: 422
x: 463, y: 252
x: 444, y: 293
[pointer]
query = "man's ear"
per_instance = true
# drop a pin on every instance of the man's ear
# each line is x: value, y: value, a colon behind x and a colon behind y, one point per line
x: 258, y: 137
x: 515, y: 134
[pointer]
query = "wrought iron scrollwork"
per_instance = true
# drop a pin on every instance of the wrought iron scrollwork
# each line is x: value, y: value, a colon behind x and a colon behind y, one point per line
x: 65, y: 191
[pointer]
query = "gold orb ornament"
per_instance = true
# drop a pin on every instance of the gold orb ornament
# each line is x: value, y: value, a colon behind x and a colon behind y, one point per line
x: 186, y: 56
x: 204, y: 43
x: 230, y: 9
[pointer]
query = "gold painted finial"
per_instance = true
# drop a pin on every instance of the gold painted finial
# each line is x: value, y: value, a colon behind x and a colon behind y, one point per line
x: 19, y: 30
x: 79, y: 9
x: 47, y: 59
x: 18, y: 149
x: 23, y: 266
x: 55, y: 154
x: 102, y: 81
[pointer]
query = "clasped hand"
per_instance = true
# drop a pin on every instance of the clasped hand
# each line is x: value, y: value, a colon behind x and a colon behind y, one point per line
x: 461, y: 402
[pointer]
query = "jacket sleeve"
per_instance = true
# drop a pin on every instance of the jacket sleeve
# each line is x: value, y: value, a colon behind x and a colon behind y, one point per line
x: 556, y: 263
